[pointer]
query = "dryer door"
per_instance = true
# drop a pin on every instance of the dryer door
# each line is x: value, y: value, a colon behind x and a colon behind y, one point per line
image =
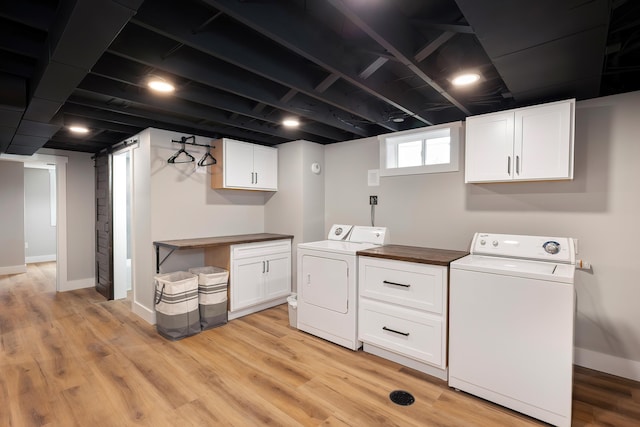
x: 325, y: 282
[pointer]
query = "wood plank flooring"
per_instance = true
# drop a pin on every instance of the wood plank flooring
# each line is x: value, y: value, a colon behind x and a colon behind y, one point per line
x: 74, y: 359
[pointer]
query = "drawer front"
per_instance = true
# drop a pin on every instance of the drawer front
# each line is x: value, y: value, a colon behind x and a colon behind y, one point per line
x: 248, y: 250
x: 402, y: 331
x: 419, y: 286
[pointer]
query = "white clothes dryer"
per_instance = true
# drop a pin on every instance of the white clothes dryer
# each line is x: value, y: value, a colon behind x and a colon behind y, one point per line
x: 328, y: 279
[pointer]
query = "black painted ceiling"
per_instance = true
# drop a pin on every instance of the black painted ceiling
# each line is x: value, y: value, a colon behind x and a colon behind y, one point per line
x: 346, y: 68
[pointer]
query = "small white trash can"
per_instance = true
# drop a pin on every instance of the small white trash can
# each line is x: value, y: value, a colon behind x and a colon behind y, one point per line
x: 292, y: 301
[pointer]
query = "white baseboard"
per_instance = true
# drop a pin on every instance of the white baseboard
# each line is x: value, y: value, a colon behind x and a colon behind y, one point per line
x: 13, y: 269
x: 607, y: 363
x: 72, y: 285
x: 406, y: 361
x: 147, y: 315
x: 40, y: 258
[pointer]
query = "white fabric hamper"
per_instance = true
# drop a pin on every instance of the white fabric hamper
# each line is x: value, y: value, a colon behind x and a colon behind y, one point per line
x: 176, y: 303
x: 212, y: 295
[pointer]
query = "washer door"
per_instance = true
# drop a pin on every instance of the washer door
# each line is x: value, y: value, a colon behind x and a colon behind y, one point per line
x: 325, y: 282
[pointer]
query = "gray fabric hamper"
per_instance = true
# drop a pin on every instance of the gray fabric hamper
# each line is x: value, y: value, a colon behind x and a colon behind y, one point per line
x: 212, y: 295
x: 176, y: 304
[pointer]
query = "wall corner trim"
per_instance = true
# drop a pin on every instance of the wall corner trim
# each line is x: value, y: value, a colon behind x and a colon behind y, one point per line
x: 146, y: 314
x: 613, y: 365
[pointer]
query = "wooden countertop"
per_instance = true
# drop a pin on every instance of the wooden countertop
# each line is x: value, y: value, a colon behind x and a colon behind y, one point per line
x: 414, y: 254
x: 208, y: 242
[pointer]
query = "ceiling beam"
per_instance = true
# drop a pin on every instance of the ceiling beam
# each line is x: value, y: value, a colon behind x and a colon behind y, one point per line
x: 133, y: 116
x: 172, y: 105
x: 373, y: 67
x: 448, y: 28
x: 290, y: 29
x: 124, y: 71
x: 394, y: 33
x: 67, y: 57
x: 159, y: 16
x: 431, y: 47
x: 211, y: 72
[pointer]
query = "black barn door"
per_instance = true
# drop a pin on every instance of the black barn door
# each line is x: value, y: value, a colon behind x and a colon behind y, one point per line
x: 104, y: 225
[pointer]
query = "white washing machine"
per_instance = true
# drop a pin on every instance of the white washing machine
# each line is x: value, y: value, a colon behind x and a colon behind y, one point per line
x: 327, y: 282
x: 511, y: 320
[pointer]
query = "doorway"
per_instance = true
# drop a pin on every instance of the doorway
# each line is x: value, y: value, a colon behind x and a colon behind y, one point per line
x: 122, y: 212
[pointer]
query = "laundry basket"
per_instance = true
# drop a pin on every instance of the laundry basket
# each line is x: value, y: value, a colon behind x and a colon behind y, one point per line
x: 176, y: 304
x: 212, y: 295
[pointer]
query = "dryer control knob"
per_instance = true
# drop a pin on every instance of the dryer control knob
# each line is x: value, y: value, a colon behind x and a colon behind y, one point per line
x: 551, y: 247
x: 483, y: 242
x: 495, y: 243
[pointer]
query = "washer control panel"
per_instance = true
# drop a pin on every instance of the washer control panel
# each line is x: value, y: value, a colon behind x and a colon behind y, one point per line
x: 543, y: 248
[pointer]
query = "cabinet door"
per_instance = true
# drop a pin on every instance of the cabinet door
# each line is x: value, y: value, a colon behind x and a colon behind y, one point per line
x: 265, y: 166
x: 489, y: 148
x: 238, y: 164
x: 544, y: 142
x: 247, y: 282
x: 278, y: 278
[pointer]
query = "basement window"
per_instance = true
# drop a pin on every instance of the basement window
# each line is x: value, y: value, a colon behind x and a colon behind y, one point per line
x: 433, y: 149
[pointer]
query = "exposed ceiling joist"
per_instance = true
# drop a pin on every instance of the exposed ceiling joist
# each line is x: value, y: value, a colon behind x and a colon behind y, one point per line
x: 393, y: 32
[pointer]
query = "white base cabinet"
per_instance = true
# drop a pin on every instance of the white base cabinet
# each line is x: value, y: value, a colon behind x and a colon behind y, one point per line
x: 260, y: 276
x: 526, y: 144
x: 402, y: 312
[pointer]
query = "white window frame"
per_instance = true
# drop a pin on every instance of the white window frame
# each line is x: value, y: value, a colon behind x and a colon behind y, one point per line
x: 390, y: 141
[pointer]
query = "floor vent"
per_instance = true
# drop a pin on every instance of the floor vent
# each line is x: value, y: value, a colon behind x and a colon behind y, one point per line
x: 401, y: 397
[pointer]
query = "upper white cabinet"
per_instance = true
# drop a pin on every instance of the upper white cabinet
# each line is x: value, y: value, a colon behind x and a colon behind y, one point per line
x: 244, y: 166
x: 525, y: 144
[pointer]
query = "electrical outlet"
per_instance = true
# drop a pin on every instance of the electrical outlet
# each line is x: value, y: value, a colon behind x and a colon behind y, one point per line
x: 373, y: 200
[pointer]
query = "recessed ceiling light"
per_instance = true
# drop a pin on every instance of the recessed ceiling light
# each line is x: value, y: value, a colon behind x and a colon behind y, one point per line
x: 161, y: 85
x: 465, y: 79
x: 291, y: 123
x: 78, y: 129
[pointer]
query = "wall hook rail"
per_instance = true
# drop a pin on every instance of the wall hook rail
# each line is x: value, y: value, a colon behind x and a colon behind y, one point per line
x: 206, y: 160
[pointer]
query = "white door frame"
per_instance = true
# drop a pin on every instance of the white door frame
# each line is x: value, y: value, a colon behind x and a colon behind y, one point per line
x: 61, y: 209
x: 118, y: 272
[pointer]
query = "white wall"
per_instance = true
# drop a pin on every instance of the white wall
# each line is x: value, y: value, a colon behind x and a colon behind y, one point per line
x: 12, y: 218
x: 297, y: 208
x: 40, y: 235
x: 80, y: 217
x: 176, y: 201
x: 599, y: 207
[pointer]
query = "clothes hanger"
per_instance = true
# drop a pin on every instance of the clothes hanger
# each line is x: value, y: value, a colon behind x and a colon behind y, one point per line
x: 174, y: 158
x: 204, y: 162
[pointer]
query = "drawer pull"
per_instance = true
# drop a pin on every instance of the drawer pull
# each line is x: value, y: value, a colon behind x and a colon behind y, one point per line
x: 395, y: 284
x: 406, y: 334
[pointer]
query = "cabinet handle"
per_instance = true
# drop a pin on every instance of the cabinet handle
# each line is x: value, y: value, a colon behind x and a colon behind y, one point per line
x: 518, y: 165
x: 308, y: 279
x: 404, y: 334
x: 395, y: 284
x: 263, y: 267
x: 256, y: 177
x: 267, y: 266
x: 253, y: 179
x: 508, y: 165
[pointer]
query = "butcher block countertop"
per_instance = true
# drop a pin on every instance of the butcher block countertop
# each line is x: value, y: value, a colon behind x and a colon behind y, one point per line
x: 208, y: 242
x: 414, y: 254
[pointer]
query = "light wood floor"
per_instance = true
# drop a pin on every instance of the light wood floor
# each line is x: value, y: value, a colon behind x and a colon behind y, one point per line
x: 74, y: 359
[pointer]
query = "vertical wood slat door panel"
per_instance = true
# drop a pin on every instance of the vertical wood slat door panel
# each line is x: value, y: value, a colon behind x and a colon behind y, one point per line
x: 104, y: 225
